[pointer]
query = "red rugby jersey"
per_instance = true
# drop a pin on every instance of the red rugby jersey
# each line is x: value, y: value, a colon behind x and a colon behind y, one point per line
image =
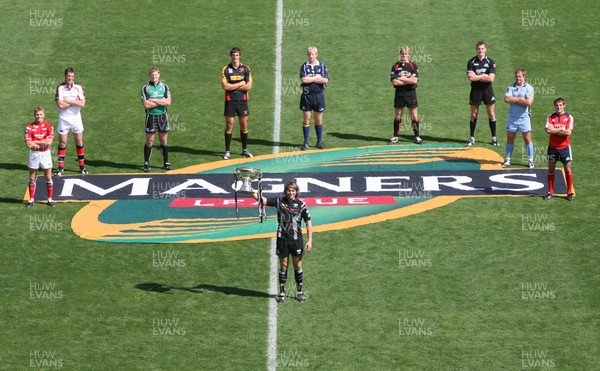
x: 41, y: 131
x: 564, y: 121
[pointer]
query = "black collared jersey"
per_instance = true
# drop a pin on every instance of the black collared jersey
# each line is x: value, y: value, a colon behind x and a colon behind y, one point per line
x: 480, y: 67
x: 232, y: 75
x: 404, y: 69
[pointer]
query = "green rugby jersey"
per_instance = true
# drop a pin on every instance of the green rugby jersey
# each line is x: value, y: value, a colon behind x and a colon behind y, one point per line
x: 161, y: 90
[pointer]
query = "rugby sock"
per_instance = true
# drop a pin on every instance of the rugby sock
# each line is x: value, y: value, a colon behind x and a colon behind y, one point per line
x: 397, y: 125
x: 473, y: 126
x: 147, y: 153
x: 244, y: 136
x: 282, y: 280
x: 551, y: 183
x: 529, y: 148
x: 50, y: 189
x: 62, y: 152
x: 31, y: 190
x: 415, y: 127
x: 80, y: 156
x: 299, y: 276
x: 228, y: 137
x: 164, y: 149
x: 509, y: 151
x: 569, y: 177
x: 306, y: 130
x: 493, y: 127
x: 319, y: 131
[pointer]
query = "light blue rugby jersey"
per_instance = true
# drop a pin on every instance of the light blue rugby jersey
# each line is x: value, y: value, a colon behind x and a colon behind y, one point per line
x: 516, y: 110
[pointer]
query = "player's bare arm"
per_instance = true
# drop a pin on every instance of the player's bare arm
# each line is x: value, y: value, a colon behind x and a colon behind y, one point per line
x: 155, y: 102
x: 149, y: 104
x: 522, y: 101
x: 402, y: 81
x: 317, y: 79
x: 488, y: 77
x: 36, y: 144
x: 245, y: 86
x: 509, y: 100
x: 62, y: 103
x: 31, y: 144
x: 165, y: 102
x: 255, y: 196
x: 561, y: 132
x: 472, y: 76
x: 321, y: 80
x: 309, y: 234
x: 66, y: 103
x: 230, y: 87
x: 528, y: 101
x: 46, y: 142
x: 309, y: 79
x: 413, y: 80
x: 76, y: 102
x: 398, y: 81
x: 565, y: 132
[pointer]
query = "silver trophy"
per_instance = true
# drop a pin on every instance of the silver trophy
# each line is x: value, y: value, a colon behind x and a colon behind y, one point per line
x: 244, y: 177
x: 243, y: 184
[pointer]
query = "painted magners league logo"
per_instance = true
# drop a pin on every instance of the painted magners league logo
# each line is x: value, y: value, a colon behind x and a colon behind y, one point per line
x: 342, y: 187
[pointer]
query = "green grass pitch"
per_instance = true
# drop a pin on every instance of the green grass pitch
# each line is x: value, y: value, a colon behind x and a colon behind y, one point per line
x: 501, y: 283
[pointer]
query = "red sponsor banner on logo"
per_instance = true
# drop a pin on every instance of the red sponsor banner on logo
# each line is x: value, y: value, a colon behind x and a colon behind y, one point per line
x: 228, y: 202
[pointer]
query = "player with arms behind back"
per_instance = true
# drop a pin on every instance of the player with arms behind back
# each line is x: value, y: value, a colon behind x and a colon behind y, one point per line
x: 38, y: 138
x: 291, y: 211
x: 560, y: 127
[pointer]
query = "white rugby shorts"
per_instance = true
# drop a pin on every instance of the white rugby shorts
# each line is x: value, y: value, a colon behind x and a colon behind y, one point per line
x: 73, y: 123
x: 39, y: 160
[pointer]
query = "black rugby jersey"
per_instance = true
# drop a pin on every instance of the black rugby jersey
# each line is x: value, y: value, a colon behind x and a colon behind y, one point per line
x: 480, y: 67
x: 289, y: 217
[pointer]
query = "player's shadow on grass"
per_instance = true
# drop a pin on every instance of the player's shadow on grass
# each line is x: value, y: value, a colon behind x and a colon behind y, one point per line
x: 111, y: 164
x: 354, y: 136
x: 410, y: 139
x: 8, y: 166
x: 6, y: 200
x: 269, y: 143
x: 404, y: 138
x: 193, y: 151
x: 227, y: 290
x: 449, y: 158
x: 428, y: 139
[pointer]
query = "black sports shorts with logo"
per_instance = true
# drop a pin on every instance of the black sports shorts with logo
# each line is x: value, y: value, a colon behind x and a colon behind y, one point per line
x: 486, y: 96
x: 157, y: 122
x: 236, y: 108
x: 406, y: 98
x: 289, y: 247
